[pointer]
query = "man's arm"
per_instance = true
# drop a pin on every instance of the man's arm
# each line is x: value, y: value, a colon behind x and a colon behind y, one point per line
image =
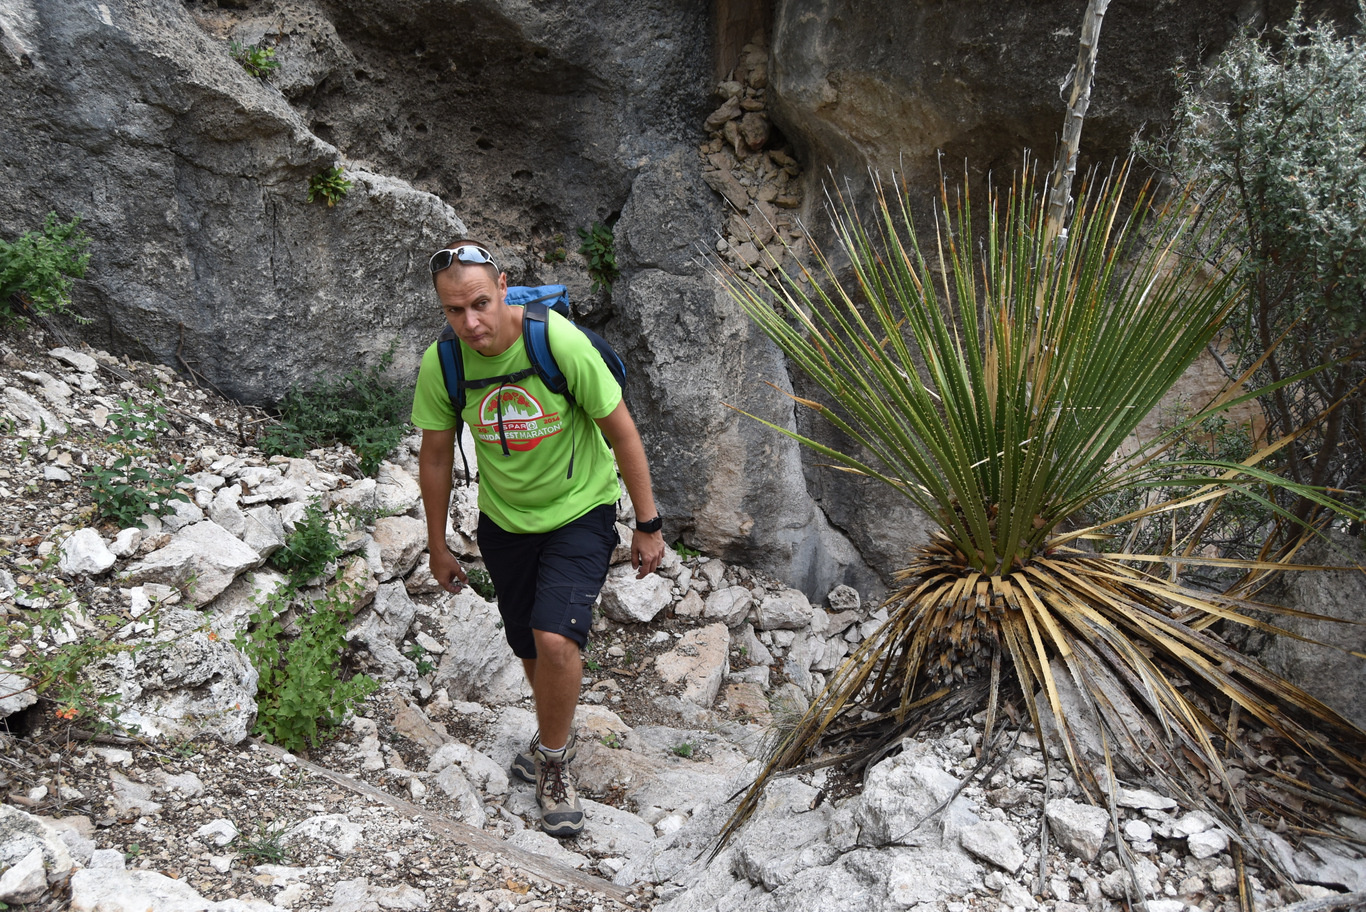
x: 435, y: 460
x: 647, y: 549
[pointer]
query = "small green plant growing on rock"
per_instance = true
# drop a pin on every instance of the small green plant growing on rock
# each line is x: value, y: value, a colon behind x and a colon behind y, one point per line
x: 37, y: 270
x: 557, y: 252
x: 684, y: 552
x: 130, y: 485
x: 310, y: 547
x: 481, y: 583
x: 301, y: 694
x: 599, y: 247
x: 59, y: 671
x: 417, y: 654
x: 684, y: 750
x: 267, y: 844
x: 328, y: 184
x: 256, y: 60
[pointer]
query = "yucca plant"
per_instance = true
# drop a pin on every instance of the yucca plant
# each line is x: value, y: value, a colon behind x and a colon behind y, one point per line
x: 993, y: 382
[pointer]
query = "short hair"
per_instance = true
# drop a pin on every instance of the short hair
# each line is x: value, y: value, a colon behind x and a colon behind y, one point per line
x: 492, y: 269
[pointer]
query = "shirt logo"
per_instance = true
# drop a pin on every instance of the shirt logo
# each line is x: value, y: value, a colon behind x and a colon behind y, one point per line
x: 525, y: 422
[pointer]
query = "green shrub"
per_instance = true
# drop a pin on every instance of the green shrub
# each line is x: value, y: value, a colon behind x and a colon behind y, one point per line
x: 328, y: 184
x: 256, y: 60
x: 599, y: 247
x: 309, y: 548
x: 39, y: 268
x: 60, y: 671
x: 133, y: 485
x: 361, y: 409
x: 1271, y: 130
x: 301, y: 695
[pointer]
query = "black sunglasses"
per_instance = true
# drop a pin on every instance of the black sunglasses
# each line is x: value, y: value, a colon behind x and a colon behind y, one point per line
x: 465, y: 253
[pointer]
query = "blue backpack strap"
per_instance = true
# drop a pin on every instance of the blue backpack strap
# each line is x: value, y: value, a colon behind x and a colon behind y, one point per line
x: 452, y: 369
x: 536, y: 338
x: 453, y: 375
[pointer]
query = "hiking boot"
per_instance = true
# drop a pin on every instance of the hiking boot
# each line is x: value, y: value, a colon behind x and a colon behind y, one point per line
x: 561, y: 813
x: 524, y: 764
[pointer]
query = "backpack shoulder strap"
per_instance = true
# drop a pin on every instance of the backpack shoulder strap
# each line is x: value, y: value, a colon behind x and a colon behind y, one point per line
x: 536, y: 338
x: 452, y: 369
x: 453, y: 375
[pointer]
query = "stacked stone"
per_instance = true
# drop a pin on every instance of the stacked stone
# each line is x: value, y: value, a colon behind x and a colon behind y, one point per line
x: 746, y: 162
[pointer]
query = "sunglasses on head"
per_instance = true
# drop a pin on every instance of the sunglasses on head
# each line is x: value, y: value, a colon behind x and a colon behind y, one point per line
x: 465, y: 253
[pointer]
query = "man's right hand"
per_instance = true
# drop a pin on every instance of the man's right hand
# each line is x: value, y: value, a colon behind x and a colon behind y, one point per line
x: 447, y: 570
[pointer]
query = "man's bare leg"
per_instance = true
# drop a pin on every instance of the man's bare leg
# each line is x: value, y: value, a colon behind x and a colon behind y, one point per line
x: 555, y: 675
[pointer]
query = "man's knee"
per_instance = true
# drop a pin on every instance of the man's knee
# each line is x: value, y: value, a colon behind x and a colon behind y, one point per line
x: 554, y: 647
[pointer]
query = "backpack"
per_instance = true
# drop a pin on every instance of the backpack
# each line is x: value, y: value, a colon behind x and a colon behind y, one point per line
x: 537, y: 301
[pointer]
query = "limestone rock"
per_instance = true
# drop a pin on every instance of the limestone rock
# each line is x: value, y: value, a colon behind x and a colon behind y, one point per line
x: 21, y: 405
x: 401, y: 541
x: 112, y: 890
x: 28, y: 841
x: 84, y: 553
x: 16, y: 693
x: 628, y: 600
x: 79, y: 360
x: 478, y: 665
x: 188, y: 682
x: 1329, y: 673
x: 479, y: 769
x: 843, y: 598
x: 204, y: 554
x: 730, y: 606
x: 469, y: 806
x: 130, y: 797
x: 25, y: 881
x: 335, y: 832
x: 899, y: 795
x: 699, y: 661
x: 395, y: 610
x: 1079, y: 828
x: 995, y: 842
x: 263, y: 531
x: 785, y: 610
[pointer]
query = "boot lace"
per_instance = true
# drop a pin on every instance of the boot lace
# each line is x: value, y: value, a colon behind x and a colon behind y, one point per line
x: 553, y: 778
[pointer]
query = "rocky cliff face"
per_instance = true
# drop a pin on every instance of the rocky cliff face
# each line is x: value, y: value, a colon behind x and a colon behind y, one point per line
x: 520, y: 123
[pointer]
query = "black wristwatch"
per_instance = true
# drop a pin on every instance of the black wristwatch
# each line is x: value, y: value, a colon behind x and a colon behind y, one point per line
x: 650, y: 526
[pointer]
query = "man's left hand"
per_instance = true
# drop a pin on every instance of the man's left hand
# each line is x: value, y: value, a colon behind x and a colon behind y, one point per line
x: 647, y: 552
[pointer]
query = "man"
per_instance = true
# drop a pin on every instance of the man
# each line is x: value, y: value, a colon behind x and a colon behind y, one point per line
x: 547, y: 496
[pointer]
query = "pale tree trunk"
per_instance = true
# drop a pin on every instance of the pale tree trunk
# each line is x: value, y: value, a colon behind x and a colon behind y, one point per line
x: 1083, y: 74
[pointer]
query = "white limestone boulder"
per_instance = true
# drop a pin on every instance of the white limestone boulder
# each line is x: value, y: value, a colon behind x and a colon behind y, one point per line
x: 628, y: 600
x: 788, y: 609
x: 203, y: 554
x: 84, y: 553
x: 699, y: 662
x: 29, y: 841
x: 1079, y: 828
x: 478, y: 665
x: 401, y: 541
x: 186, y: 682
x: 730, y: 605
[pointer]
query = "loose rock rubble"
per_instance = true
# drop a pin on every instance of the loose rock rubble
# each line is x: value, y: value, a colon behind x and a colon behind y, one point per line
x: 410, y: 806
x: 747, y: 162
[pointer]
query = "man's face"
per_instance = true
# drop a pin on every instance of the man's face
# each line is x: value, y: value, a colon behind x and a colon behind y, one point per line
x: 474, y: 305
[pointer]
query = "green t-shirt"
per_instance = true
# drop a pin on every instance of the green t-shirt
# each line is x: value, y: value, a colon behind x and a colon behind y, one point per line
x: 526, y: 490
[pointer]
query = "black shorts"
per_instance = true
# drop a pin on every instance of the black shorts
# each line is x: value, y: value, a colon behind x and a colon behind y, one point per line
x: 548, y: 581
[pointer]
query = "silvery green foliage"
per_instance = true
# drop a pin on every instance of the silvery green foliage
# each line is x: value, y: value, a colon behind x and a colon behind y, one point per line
x: 1275, y: 130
